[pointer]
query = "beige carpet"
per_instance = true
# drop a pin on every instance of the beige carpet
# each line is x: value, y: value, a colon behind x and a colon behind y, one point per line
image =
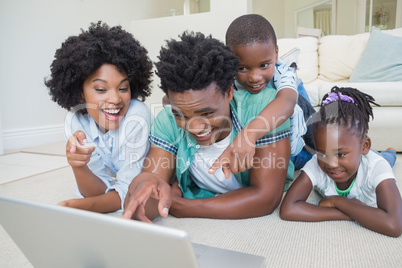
x: 296, y: 244
x: 284, y: 244
x: 21, y: 165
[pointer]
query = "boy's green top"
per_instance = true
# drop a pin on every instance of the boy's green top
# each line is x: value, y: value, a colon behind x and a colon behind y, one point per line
x: 166, y: 135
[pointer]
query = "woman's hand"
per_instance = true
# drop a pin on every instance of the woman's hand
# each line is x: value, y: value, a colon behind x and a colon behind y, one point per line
x: 77, y: 152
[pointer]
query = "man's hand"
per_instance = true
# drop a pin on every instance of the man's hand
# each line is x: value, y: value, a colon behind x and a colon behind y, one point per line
x: 144, y: 186
x: 77, y: 152
x: 176, y: 191
x: 237, y: 157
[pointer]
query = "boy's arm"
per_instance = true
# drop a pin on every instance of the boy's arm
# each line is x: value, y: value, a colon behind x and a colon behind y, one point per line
x: 239, y: 154
x: 150, y: 185
x: 385, y: 219
x: 295, y: 208
x: 267, y: 181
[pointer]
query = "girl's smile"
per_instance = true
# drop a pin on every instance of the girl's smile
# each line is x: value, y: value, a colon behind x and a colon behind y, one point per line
x: 339, y: 153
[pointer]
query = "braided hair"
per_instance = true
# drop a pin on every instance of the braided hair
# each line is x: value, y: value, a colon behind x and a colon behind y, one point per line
x: 194, y: 62
x: 80, y: 56
x: 250, y: 29
x: 349, y: 108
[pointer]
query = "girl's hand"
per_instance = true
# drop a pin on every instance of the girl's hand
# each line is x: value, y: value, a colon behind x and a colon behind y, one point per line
x: 328, y: 201
x: 78, y: 154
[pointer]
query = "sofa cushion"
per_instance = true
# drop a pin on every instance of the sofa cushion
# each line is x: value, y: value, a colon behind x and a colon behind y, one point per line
x: 339, y: 54
x: 308, y: 58
x: 386, y: 94
x: 385, y: 128
x: 313, y: 94
x: 381, y: 59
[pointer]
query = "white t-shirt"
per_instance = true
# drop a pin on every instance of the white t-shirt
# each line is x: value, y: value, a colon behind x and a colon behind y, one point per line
x: 203, y: 159
x: 373, y: 169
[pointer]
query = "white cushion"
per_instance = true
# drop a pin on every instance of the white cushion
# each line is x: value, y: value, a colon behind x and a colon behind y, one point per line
x: 384, y: 93
x: 308, y: 58
x: 385, y: 129
x: 313, y: 94
x: 339, y: 54
x: 396, y: 32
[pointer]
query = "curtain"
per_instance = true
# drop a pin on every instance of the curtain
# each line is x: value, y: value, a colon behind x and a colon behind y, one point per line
x: 322, y: 20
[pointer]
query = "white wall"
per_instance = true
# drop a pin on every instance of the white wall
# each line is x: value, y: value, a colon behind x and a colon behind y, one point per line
x: 346, y: 20
x: 274, y: 12
x: 30, y: 33
x: 281, y: 15
x: 158, y: 30
x: 32, y: 30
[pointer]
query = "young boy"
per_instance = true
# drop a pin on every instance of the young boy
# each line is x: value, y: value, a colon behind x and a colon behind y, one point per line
x: 253, y: 40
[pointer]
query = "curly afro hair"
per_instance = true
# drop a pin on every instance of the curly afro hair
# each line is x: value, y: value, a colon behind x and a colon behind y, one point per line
x: 80, y: 56
x: 194, y: 62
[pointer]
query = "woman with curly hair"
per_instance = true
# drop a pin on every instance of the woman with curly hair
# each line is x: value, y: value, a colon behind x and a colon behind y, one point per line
x: 98, y: 76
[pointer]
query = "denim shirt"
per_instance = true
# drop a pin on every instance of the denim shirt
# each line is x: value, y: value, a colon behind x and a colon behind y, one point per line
x: 119, y: 154
x: 244, y: 107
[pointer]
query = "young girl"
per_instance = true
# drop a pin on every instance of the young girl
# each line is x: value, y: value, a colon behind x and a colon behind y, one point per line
x: 356, y: 182
x: 98, y: 76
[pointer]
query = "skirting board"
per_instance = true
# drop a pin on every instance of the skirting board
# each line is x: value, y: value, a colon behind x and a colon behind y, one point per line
x: 22, y: 138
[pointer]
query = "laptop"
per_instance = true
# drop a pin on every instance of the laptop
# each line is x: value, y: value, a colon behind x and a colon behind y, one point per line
x: 55, y: 236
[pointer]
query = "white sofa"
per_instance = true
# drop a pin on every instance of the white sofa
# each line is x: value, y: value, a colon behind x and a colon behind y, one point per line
x: 331, y: 61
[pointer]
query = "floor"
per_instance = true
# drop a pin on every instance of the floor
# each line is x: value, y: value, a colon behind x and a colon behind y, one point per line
x: 43, y: 174
x: 37, y: 173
